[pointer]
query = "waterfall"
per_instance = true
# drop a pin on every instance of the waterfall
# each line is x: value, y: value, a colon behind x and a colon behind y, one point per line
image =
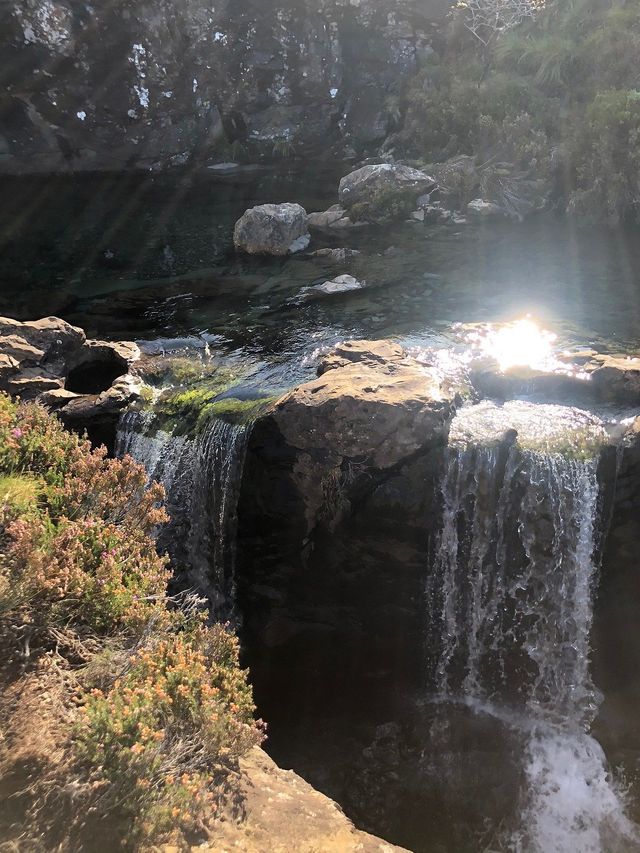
x: 510, y: 600
x: 201, y: 476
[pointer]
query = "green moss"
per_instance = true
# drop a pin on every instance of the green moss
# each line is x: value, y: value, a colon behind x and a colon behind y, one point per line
x: 185, y: 407
x: 235, y: 411
x: 383, y: 206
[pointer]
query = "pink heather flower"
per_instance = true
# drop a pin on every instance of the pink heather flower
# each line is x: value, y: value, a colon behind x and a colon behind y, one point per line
x: 16, y: 433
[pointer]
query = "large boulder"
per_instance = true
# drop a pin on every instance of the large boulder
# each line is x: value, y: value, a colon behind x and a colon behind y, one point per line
x: 371, y: 409
x: 272, y: 229
x: 383, y: 191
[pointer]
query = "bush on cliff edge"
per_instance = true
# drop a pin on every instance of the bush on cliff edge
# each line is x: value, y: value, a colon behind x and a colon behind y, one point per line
x: 122, y: 712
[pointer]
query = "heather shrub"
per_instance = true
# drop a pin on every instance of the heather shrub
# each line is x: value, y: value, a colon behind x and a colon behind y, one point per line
x: 166, y: 734
x: 157, y: 710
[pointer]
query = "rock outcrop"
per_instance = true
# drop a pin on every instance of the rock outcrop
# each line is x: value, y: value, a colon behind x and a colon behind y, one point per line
x: 272, y: 229
x: 88, y: 383
x: 283, y: 813
x: 370, y: 409
x: 338, y: 497
x: 140, y: 84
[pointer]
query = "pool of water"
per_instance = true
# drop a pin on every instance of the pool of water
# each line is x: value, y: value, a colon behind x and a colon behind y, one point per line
x: 150, y: 257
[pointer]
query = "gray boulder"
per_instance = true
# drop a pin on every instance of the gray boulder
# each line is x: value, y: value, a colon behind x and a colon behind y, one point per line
x: 481, y: 209
x: 376, y: 185
x: 272, y: 229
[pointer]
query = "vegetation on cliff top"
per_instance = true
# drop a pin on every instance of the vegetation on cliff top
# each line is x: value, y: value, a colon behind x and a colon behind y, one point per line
x: 555, y: 100
x: 122, y: 712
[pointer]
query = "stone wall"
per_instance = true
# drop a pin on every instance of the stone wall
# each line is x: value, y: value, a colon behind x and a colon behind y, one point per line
x: 154, y: 83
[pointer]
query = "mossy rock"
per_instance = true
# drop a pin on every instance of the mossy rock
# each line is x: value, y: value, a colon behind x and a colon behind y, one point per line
x: 235, y: 411
x: 383, y: 206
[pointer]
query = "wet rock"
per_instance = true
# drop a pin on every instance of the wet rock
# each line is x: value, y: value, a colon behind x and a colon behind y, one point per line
x: 87, y: 407
x: 618, y: 379
x: 379, y: 186
x: 340, y: 284
x: 481, y: 209
x: 371, y: 407
x: 272, y: 229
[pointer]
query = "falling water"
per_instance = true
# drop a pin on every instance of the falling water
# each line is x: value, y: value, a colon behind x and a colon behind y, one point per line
x: 201, y: 476
x: 511, y: 598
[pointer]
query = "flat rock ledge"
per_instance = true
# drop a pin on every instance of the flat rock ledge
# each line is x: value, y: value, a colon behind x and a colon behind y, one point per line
x: 371, y: 401
x: 282, y: 813
x: 52, y: 362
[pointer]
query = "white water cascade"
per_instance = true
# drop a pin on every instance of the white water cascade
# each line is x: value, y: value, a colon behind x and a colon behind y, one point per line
x: 201, y: 476
x: 511, y: 600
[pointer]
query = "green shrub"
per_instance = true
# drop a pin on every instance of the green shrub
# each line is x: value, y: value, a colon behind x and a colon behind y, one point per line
x: 148, y: 754
x: 605, y: 158
x: 553, y: 95
x: 167, y: 733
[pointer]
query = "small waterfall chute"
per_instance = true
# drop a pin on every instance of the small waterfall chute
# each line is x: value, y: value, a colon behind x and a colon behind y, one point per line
x: 201, y: 475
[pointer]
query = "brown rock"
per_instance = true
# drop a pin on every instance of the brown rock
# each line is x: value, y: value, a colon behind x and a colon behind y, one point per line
x: 8, y: 367
x: 282, y: 813
x: 618, y: 379
x: 19, y: 349
x: 371, y: 402
x: 30, y: 383
x: 51, y: 334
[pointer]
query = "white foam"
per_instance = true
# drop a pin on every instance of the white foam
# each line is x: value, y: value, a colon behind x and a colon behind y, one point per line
x: 571, y: 804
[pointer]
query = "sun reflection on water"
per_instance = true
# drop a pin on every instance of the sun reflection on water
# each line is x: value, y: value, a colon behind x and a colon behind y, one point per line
x: 521, y: 343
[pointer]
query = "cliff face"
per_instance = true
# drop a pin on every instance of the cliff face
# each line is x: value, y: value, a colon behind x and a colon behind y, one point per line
x: 154, y: 83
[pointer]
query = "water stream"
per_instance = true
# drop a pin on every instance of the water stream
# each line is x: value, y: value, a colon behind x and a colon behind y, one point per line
x: 511, y: 601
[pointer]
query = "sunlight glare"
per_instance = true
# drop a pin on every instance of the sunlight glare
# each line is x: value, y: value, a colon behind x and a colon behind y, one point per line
x: 521, y: 344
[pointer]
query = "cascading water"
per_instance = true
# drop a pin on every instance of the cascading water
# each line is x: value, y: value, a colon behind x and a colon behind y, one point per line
x: 201, y: 476
x: 510, y: 599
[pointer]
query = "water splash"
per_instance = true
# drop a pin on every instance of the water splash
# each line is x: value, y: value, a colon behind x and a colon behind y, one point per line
x: 202, y: 477
x: 511, y: 599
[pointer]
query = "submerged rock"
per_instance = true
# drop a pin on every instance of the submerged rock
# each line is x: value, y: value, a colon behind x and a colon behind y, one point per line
x: 272, y: 229
x: 340, y: 284
x: 338, y: 256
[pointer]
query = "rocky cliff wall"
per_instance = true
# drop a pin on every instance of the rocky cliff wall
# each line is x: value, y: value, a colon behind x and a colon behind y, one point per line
x: 154, y: 83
